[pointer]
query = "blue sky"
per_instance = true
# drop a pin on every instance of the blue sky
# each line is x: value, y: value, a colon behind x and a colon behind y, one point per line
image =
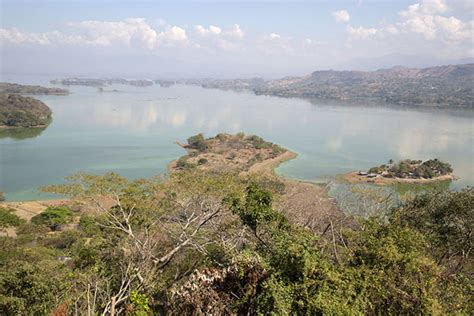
x: 230, y: 38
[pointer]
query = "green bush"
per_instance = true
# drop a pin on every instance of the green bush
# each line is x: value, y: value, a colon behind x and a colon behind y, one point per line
x: 53, y: 217
x: 182, y: 163
x: 88, y: 225
x: 198, y: 142
x: 8, y: 218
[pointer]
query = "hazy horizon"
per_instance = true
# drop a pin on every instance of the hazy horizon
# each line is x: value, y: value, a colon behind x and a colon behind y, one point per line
x: 226, y: 39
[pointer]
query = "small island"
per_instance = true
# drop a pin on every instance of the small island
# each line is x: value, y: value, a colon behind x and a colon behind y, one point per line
x: 409, y: 171
x: 21, y: 111
x: 226, y: 152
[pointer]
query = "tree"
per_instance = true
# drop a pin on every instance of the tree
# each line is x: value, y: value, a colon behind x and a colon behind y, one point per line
x: 8, y: 218
x: 53, y: 217
x: 198, y: 142
x: 145, y: 225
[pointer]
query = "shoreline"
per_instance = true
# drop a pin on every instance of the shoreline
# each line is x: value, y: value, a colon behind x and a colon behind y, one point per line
x: 5, y: 127
x: 28, y: 209
x: 304, y: 203
x: 354, y: 178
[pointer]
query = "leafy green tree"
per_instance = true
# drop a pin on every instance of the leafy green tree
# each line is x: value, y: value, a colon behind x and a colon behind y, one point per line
x: 8, y: 218
x: 445, y: 218
x: 32, y: 281
x: 53, y: 217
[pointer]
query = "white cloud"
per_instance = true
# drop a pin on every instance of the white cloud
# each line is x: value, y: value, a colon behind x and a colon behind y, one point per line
x: 121, y: 32
x: 14, y: 36
x: 174, y: 33
x: 429, y: 7
x: 423, y: 28
x: 428, y: 28
x: 274, y: 35
x: 361, y: 32
x: 424, y: 18
x: 341, y: 16
x: 236, y: 31
x: 212, y: 30
x: 129, y: 32
x: 215, y: 29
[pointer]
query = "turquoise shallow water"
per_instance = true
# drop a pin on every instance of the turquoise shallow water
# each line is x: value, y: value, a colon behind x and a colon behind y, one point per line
x: 133, y: 132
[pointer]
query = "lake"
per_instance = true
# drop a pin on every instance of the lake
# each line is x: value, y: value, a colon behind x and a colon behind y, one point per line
x: 133, y: 132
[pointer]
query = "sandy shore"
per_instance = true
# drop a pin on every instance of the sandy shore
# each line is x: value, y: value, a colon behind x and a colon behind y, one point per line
x: 267, y: 167
x: 28, y: 209
x: 354, y: 177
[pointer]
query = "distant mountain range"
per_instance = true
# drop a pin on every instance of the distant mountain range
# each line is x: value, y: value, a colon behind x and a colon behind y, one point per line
x: 443, y: 86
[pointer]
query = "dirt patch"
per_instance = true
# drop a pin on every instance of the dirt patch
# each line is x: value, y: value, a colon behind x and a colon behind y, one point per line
x: 29, y: 209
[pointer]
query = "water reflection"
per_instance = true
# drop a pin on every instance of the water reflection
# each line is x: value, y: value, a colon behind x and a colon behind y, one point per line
x: 21, y: 133
x: 133, y: 133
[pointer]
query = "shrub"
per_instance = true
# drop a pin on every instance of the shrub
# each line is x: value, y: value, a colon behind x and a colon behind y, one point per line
x: 88, y: 225
x: 374, y: 170
x: 198, y: 142
x: 8, y: 218
x: 53, y: 217
x: 184, y: 164
x: 202, y: 161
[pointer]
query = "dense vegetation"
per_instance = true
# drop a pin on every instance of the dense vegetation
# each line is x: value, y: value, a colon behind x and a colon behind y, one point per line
x: 212, y: 243
x: 413, y: 169
x: 20, y: 111
x: 8, y: 218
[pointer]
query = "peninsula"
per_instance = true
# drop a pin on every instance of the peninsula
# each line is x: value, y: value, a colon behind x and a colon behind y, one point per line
x: 303, y: 203
x: 18, y: 110
x: 14, y: 88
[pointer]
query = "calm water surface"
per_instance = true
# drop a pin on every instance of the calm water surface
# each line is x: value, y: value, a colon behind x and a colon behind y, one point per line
x: 133, y: 132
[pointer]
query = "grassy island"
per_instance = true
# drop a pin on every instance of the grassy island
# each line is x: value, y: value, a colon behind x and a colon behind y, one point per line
x: 412, y: 171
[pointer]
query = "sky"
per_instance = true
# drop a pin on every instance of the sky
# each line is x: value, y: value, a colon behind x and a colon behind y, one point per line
x: 230, y: 39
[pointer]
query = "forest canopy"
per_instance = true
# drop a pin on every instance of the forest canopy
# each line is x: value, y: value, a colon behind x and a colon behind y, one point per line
x: 213, y: 243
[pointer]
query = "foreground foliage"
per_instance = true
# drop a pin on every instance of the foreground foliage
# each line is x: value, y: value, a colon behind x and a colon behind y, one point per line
x: 212, y: 243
